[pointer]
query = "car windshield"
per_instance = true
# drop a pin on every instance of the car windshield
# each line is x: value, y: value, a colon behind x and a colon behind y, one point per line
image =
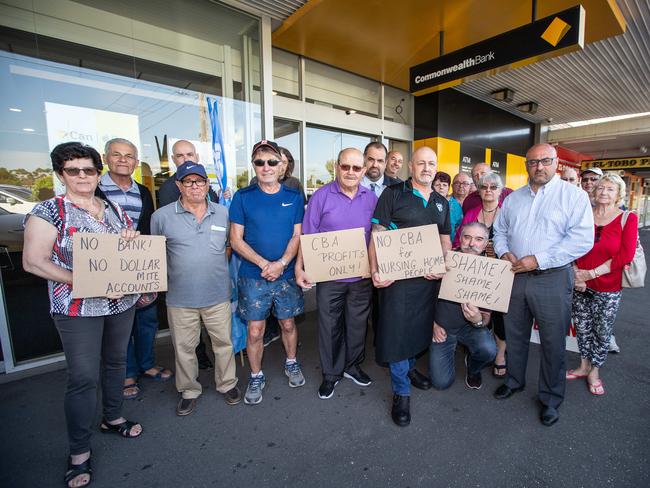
x: 24, y: 194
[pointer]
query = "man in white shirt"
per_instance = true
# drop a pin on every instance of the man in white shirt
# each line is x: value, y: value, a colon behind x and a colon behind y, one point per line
x: 541, y: 229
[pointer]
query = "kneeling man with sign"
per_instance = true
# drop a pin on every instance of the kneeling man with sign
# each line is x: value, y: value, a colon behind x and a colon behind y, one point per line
x: 465, y: 322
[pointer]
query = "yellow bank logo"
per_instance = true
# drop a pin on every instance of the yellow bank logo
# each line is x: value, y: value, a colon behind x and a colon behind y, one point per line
x: 555, y: 31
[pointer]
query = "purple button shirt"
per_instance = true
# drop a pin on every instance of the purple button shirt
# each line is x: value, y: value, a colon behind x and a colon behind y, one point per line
x: 329, y: 209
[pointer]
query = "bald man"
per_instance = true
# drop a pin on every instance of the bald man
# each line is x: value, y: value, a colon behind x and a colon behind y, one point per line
x: 473, y: 199
x: 343, y: 305
x: 182, y: 151
x: 407, y: 307
x: 536, y: 233
x: 570, y: 175
x: 394, y: 162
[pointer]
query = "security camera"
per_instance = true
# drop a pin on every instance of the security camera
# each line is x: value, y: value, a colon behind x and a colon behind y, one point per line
x: 549, y: 120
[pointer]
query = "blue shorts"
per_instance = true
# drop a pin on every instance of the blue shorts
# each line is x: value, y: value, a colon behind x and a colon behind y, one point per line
x: 258, y: 296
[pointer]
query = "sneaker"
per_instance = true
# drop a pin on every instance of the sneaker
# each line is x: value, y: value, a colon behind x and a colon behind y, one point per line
x: 474, y: 381
x: 294, y: 373
x: 326, y: 389
x: 613, y: 347
x: 272, y: 337
x: 254, y: 390
x: 358, y: 376
x: 185, y: 406
x: 232, y: 396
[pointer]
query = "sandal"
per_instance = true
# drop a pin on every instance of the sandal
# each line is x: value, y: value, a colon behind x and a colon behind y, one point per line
x: 162, y: 374
x: 499, y: 367
x: 75, y: 470
x: 123, y: 429
x: 596, y: 388
x: 572, y: 375
x: 131, y: 392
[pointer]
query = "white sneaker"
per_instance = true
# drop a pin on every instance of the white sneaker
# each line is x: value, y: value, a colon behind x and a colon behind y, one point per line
x: 613, y: 347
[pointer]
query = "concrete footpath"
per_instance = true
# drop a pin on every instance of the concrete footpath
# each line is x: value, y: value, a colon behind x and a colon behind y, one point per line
x: 457, y: 438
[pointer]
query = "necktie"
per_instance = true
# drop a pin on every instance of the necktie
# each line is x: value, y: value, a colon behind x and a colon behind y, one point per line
x: 373, y: 187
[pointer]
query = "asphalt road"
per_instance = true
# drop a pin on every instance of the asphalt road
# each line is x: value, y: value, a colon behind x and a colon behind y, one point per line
x: 457, y: 438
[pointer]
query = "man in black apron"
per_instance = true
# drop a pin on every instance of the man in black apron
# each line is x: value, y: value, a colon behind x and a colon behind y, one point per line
x: 407, y: 307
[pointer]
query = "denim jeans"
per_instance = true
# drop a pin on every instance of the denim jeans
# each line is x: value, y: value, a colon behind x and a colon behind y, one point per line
x: 398, y: 375
x: 140, y: 355
x: 482, y: 351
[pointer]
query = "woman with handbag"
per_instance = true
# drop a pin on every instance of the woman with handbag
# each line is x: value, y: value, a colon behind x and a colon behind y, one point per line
x: 94, y: 331
x: 599, y: 274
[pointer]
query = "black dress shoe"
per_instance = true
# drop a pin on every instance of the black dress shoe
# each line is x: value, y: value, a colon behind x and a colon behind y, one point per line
x: 418, y: 380
x: 548, y: 415
x: 401, y: 412
x: 504, y: 391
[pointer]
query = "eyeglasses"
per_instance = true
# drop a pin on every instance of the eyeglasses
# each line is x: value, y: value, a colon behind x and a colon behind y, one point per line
x: 347, y: 167
x: 570, y: 180
x: 199, y: 183
x: 593, y: 179
x: 90, y: 171
x: 271, y: 162
x: 458, y: 183
x: 534, y: 162
x: 489, y: 187
x: 599, y: 230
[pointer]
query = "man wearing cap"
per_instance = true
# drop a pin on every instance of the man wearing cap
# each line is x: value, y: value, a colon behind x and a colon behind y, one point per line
x: 473, y: 200
x: 343, y: 305
x: 589, y: 179
x: 198, y: 284
x: 394, y: 162
x: 118, y: 185
x: 266, y: 221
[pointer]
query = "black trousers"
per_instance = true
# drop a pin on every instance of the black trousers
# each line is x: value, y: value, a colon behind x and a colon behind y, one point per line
x: 95, y: 347
x: 343, y: 310
x: 546, y: 298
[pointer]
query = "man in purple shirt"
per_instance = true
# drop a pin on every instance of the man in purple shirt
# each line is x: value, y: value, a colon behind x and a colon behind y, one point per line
x: 473, y: 199
x: 343, y: 305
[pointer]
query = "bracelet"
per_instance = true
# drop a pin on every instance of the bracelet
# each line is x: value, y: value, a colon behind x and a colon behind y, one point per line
x: 284, y: 264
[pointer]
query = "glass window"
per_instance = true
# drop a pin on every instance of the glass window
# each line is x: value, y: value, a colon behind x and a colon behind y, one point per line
x: 339, y: 89
x: 397, y: 105
x: 323, y: 147
x: 286, y: 80
x: 287, y: 135
x: 168, y: 69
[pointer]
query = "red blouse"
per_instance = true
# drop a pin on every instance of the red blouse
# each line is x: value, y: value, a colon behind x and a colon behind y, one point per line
x: 611, y: 242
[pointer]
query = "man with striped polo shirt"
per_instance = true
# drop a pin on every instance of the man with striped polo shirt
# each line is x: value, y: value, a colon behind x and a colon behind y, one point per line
x: 118, y: 186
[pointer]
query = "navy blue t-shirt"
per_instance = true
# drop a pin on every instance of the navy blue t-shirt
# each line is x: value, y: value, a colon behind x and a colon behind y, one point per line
x: 268, y: 221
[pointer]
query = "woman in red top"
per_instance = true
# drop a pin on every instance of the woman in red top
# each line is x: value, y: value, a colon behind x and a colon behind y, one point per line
x: 597, y: 292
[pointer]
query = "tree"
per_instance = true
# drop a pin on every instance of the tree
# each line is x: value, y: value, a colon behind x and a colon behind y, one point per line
x: 43, y: 188
x: 8, y: 178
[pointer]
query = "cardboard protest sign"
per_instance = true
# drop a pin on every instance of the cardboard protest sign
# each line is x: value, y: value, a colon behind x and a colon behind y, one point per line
x: 484, y: 282
x: 409, y: 253
x: 335, y: 255
x: 107, y: 264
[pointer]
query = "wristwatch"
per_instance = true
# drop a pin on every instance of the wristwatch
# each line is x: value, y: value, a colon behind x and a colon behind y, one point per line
x: 478, y: 324
x: 284, y: 264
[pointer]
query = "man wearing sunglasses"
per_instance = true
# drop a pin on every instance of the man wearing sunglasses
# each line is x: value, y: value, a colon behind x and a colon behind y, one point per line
x: 541, y: 229
x: 589, y: 179
x: 266, y: 221
x: 570, y: 175
x: 118, y: 185
x: 198, y: 282
x: 343, y: 305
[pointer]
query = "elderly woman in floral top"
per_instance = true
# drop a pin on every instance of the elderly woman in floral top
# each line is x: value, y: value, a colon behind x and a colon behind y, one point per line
x: 94, y: 331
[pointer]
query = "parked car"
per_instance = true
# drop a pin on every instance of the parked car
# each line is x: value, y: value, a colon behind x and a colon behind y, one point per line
x: 16, y: 199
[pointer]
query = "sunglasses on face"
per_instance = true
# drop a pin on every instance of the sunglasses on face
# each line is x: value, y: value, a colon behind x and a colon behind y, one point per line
x: 593, y: 179
x: 347, y: 167
x: 534, y: 162
x: 90, y: 171
x: 489, y: 187
x: 571, y: 180
x: 271, y: 162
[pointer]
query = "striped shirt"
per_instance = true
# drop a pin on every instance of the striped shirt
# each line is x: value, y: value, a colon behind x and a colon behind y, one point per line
x: 556, y: 224
x: 130, y: 200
